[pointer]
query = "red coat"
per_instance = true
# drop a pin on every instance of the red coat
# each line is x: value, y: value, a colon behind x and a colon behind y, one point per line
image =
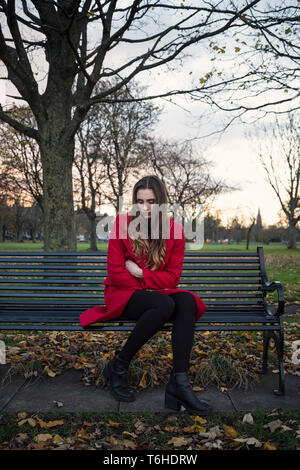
x: 120, y: 284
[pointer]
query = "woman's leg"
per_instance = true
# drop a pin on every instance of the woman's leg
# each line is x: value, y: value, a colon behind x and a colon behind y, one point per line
x: 150, y: 310
x: 184, y: 318
x: 179, y: 391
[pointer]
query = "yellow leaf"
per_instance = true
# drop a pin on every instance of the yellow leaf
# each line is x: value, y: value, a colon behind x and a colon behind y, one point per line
x: 113, y: 424
x: 269, y: 446
x: 199, y: 428
x: 22, y: 415
x: 42, y: 423
x: 23, y: 421
x: 170, y: 428
x: 49, y: 371
x: 143, y: 382
x: 237, y: 49
x: 131, y: 434
x: 230, y: 431
x: 57, y: 439
x: 189, y: 429
x: 146, y: 356
x: 200, y: 420
x: 32, y: 422
x: 51, y: 424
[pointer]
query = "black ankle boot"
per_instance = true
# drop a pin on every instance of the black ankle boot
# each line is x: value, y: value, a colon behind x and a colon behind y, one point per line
x: 179, y: 392
x: 116, y: 371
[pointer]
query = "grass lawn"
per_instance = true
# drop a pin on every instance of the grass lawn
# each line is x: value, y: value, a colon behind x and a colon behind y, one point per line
x: 83, y: 246
x: 277, y: 430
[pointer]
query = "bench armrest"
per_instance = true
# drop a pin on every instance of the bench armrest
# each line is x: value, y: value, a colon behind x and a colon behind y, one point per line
x: 271, y: 287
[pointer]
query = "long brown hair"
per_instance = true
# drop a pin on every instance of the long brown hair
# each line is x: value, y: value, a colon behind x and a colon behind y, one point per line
x: 154, y: 249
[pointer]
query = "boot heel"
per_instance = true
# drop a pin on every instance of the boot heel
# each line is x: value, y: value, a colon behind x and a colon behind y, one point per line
x: 172, y: 402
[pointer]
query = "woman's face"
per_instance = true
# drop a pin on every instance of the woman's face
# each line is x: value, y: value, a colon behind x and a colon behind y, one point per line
x: 145, y: 199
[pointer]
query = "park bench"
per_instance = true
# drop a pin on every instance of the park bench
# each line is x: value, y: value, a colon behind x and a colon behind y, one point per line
x: 49, y: 290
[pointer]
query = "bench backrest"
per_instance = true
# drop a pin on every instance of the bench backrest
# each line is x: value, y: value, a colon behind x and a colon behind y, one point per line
x: 222, y: 279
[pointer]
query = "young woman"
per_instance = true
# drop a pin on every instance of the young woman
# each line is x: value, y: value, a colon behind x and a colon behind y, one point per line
x: 141, y: 285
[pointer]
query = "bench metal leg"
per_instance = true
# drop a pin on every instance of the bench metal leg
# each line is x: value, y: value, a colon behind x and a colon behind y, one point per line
x: 279, y: 343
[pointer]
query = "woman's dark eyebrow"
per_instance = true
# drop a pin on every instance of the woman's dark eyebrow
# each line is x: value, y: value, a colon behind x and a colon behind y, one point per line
x: 152, y: 199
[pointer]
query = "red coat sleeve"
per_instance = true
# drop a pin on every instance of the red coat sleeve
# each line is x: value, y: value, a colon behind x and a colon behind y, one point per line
x: 169, y: 276
x: 117, y: 272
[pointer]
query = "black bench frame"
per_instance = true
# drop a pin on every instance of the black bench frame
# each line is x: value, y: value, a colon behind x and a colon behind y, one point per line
x: 49, y: 290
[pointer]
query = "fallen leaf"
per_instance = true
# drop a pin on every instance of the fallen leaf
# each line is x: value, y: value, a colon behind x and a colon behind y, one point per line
x: 230, y: 431
x: 81, y: 433
x: 269, y: 446
x: 57, y: 439
x: 42, y: 437
x: 170, y: 428
x: 49, y: 371
x: 32, y: 422
x: 23, y: 421
x: 50, y: 424
x: 273, y: 425
x: 251, y: 441
x: 131, y: 434
x: 212, y: 433
x: 22, y: 415
x: 113, y: 424
x: 59, y: 404
x: 200, y: 420
x: 143, y: 382
x: 248, y: 418
x: 128, y: 443
x: 178, y: 441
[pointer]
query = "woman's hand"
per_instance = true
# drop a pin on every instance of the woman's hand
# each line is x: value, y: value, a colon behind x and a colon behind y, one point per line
x: 134, y: 269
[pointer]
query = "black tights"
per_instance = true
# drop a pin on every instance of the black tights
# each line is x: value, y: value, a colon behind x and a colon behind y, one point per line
x: 151, y: 310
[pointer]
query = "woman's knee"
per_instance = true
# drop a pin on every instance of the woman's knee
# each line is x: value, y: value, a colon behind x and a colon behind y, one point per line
x: 185, y: 303
x: 166, y: 306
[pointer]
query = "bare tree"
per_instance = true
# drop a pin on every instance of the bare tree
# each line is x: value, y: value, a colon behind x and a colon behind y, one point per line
x: 187, y: 175
x: 20, y: 156
x: 279, y: 154
x: 248, y: 231
x: 120, y: 136
x: 157, y: 33
x: 90, y: 176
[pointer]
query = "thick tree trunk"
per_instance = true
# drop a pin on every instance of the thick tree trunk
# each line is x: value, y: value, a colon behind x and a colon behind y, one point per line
x: 59, y: 221
x: 93, y: 235
x: 292, y: 235
x: 2, y: 239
